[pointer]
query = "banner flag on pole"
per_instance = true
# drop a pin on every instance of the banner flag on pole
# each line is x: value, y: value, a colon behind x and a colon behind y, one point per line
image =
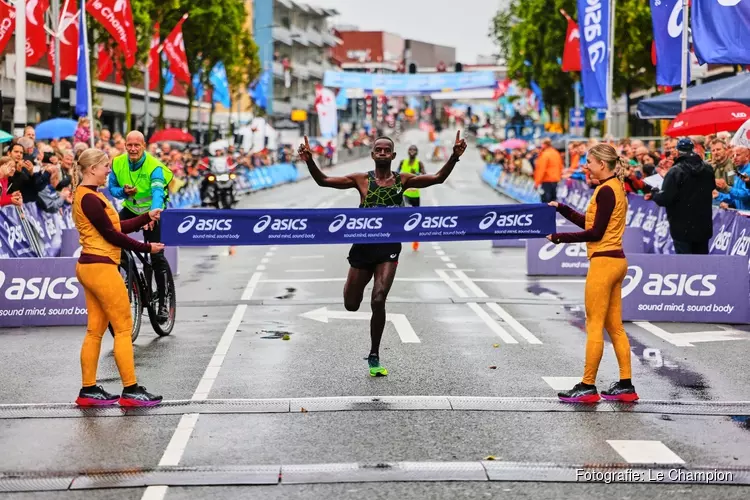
x: 667, y: 18
x: 720, y: 31
x: 594, y: 23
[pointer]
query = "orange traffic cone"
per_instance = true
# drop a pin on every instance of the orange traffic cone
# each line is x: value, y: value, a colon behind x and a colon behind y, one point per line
x: 415, y: 246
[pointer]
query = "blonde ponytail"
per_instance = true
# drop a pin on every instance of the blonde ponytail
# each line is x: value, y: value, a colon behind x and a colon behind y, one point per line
x: 87, y: 159
x: 621, y: 168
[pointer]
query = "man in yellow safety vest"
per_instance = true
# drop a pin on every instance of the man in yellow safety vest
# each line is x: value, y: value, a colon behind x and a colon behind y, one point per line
x: 412, y: 165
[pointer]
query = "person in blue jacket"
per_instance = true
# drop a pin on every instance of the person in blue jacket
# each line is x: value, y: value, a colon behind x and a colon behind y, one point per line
x: 739, y: 195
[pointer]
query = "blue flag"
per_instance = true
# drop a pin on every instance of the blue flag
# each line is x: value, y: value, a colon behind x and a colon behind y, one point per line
x: 220, y: 84
x: 259, y: 91
x: 720, y: 31
x: 198, y: 85
x: 593, y: 17
x: 667, y: 18
x: 166, y: 74
x: 82, y: 84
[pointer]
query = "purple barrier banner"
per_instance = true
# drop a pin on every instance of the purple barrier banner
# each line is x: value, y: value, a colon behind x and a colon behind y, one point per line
x: 40, y: 292
x: 13, y: 238
x: 686, y: 289
x: 569, y: 259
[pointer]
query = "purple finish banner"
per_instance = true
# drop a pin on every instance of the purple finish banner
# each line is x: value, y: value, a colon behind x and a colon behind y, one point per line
x: 686, y: 288
x: 40, y: 292
x: 569, y: 259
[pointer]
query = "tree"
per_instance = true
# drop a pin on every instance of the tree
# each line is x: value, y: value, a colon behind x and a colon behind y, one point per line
x: 144, y: 30
x: 531, y: 36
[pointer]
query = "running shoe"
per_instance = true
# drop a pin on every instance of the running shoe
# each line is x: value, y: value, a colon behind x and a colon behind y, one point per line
x: 375, y: 369
x: 619, y: 392
x: 138, y: 396
x: 415, y: 246
x: 581, y: 393
x: 95, y: 396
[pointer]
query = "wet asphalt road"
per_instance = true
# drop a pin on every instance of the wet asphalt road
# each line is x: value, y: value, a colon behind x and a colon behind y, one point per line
x: 484, y: 330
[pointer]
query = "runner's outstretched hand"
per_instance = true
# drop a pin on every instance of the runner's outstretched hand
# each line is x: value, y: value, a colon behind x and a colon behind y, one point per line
x: 304, y: 151
x: 460, y: 146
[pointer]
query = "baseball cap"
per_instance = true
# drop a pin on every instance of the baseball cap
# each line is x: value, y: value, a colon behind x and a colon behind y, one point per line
x: 685, y: 145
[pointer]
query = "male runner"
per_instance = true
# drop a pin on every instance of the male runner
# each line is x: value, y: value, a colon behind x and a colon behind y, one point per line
x: 412, y: 165
x: 141, y: 181
x: 381, y: 187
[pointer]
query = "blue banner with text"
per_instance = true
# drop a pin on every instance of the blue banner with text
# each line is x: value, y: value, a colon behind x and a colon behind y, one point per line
x: 355, y: 225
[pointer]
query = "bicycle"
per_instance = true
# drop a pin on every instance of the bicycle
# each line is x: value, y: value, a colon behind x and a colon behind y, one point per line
x: 142, y: 292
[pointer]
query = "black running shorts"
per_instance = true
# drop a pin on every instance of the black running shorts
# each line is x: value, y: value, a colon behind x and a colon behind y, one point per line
x: 369, y: 255
x: 412, y: 202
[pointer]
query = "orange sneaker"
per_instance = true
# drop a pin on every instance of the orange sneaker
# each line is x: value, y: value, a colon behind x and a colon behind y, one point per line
x: 415, y: 246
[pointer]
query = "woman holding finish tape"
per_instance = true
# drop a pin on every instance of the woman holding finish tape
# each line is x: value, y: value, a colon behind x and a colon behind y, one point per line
x: 102, y: 237
x: 604, y: 226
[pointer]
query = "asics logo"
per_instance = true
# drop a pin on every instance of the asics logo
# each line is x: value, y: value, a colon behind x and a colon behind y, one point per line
x: 351, y: 223
x: 191, y: 221
x: 284, y: 224
x: 550, y: 250
x: 505, y: 220
x: 435, y: 222
x: 673, y: 284
x: 62, y: 288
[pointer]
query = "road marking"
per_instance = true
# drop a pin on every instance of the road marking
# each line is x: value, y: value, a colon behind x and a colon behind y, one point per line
x: 304, y: 270
x: 645, y: 452
x: 176, y: 447
x: 269, y: 254
x: 450, y: 265
x: 264, y: 260
x: 440, y: 252
x: 260, y: 267
x: 250, y: 288
x: 445, y: 259
x: 302, y: 257
x: 561, y: 383
x: 662, y: 334
x: 495, y: 307
x: 400, y: 321
x: 155, y: 493
x: 212, y: 370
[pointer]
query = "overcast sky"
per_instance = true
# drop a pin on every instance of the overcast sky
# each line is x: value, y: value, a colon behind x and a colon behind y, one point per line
x: 463, y: 24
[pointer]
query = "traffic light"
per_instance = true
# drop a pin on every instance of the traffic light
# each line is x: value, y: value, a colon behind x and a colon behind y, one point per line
x: 459, y: 67
x: 412, y: 68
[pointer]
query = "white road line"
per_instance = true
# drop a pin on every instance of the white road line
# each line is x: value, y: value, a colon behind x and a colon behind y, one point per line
x: 155, y: 493
x: 176, y: 447
x: 645, y: 452
x: 250, y: 288
x: 260, y: 267
x: 212, y: 370
x: 561, y: 383
x: 304, y: 257
x: 662, y: 334
x: 269, y: 254
x: 440, y: 252
x: 450, y: 265
x: 264, y: 260
x: 445, y: 259
x: 304, y: 270
x: 495, y: 307
x: 489, y: 321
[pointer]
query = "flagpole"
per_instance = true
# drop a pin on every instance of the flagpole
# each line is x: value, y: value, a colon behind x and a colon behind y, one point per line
x: 19, y: 107
x: 88, y: 74
x: 147, y: 99
x: 611, y: 73
x: 685, y: 55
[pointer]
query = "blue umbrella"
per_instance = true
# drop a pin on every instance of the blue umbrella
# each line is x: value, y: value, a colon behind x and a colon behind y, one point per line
x: 5, y: 137
x: 56, y: 128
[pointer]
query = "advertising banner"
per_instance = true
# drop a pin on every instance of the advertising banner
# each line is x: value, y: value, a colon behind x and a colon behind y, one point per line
x: 569, y: 259
x: 355, y: 225
x: 686, y: 289
x: 40, y: 292
x: 405, y: 84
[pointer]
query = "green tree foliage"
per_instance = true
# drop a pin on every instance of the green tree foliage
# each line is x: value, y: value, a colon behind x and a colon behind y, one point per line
x: 531, y: 37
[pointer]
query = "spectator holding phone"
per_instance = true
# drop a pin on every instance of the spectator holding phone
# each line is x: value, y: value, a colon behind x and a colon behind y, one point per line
x: 739, y: 195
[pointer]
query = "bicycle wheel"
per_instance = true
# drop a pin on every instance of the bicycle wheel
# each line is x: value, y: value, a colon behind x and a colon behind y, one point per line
x: 164, y: 328
x: 132, y: 283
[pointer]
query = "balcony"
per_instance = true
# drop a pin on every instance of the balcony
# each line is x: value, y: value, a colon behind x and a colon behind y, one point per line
x: 314, y: 36
x: 282, y: 35
x: 300, y: 36
x: 300, y: 70
x: 278, y: 69
x: 315, y: 69
x: 282, y: 108
x: 300, y: 103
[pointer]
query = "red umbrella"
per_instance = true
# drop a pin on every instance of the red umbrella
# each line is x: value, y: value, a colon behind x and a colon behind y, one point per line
x: 171, y: 135
x: 709, y: 118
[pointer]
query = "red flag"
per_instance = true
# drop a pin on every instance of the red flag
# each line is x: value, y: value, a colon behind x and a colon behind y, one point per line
x: 153, y: 60
x: 653, y: 52
x: 572, y: 51
x: 501, y: 88
x: 116, y: 17
x: 106, y: 66
x: 68, y: 31
x: 174, y: 46
x: 36, y: 36
x: 7, y: 25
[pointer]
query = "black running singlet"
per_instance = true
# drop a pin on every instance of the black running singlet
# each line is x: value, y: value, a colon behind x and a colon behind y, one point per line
x: 380, y: 196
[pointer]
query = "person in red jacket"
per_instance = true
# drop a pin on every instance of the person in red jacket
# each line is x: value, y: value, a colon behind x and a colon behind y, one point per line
x: 548, y: 171
x: 7, y: 169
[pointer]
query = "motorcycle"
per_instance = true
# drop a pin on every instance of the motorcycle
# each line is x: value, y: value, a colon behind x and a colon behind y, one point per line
x: 219, y: 188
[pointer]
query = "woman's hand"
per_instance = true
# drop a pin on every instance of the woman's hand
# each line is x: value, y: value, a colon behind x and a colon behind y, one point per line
x: 155, y: 214
x: 553, y: 204
x: 156, y: 247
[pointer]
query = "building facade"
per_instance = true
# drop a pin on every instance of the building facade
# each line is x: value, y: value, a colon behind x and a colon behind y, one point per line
x: 294, y: 42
